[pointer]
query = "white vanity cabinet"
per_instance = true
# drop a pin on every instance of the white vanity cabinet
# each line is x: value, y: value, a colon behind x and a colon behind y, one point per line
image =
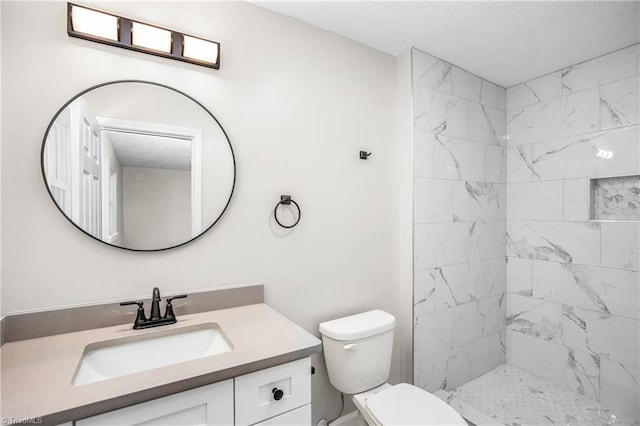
x: 276, y: 396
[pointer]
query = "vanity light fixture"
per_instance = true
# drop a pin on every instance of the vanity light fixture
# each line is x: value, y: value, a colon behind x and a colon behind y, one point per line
x: 107, y: 28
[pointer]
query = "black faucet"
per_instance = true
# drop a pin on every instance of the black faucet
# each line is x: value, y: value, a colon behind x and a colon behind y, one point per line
x: 155, y: 319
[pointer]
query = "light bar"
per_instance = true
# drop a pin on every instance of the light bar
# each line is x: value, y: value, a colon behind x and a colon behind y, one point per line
x: 107, y: 28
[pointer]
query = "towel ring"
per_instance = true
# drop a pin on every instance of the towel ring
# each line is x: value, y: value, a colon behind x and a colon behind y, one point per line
x: 286, y: 200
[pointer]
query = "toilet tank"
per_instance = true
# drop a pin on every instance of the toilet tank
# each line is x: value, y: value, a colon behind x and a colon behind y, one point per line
x: 357, y: 350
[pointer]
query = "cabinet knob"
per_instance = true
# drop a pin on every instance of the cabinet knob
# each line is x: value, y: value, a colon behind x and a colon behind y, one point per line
x: 277, y: 394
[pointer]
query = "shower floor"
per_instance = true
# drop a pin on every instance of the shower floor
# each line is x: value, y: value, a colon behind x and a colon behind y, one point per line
x: 511, y: 396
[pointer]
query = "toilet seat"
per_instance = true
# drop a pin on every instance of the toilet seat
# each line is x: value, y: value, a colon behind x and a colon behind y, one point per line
x: 405, y: 404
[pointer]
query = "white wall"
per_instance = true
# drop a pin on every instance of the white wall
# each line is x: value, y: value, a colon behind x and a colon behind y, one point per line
x: 298, y: 104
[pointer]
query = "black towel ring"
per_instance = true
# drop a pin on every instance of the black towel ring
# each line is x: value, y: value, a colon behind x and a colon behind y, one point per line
x: 286, y: 200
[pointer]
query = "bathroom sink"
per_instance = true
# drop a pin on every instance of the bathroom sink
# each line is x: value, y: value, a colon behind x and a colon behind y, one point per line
x: 119, y: 357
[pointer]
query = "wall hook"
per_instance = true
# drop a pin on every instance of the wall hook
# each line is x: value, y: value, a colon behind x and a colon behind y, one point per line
x: 364, y: 155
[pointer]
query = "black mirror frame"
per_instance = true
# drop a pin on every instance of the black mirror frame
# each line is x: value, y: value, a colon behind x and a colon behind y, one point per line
x: 46, y: 184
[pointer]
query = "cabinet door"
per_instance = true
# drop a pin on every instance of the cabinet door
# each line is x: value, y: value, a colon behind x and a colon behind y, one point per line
x: 207, y: 405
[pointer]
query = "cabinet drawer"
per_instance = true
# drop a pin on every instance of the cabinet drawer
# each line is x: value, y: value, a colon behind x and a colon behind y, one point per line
x: 298, y: 417
x: 254, y: 396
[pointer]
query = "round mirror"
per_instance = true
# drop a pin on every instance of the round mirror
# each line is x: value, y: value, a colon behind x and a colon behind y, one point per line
x: 138, y: 165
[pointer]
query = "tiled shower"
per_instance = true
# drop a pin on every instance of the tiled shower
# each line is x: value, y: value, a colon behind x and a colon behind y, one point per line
x: 526, y: 231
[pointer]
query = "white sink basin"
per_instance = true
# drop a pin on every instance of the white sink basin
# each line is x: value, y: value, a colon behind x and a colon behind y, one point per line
x: 119, y: 357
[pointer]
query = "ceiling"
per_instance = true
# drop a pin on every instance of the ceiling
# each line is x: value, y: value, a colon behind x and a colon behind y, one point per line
x: 505, y: 42
x: 149, y: 151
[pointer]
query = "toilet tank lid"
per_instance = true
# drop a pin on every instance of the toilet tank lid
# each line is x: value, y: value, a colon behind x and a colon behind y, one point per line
x: 358, y: 326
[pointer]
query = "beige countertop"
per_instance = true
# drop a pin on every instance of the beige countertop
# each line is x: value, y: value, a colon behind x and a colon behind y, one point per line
x: 37, y: 373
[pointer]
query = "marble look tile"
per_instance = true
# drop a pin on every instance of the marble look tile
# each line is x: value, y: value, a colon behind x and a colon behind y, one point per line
x: 478, y: 201
x: 580, y: 113
x: 605, y: 69
x: 472, y: 360
x: 440, y: 244
x: 519, y: 164
x: 534, y: 317
x: 548, y: 280
x: 495, y: 277
x: 577, y: 157
x: 534, y: 91
x: 568, y: 242
x: 430, y: 373
x: 535, y: 201
x: 459, y: 284
x: 490, y: 94
x: 519, y: 276
x: 424, y: 293
x: 423, y: 154
x: 432, y: 200
x: 495, y: 164
x: 609, y: 291
x: 453, y: 243
x: 568, y: 368
x: 602, y: 335
x: 502, y: 98
x: 576, y: 199
x: 430, y: 72
x: 619, y: 103
x: 466, y: 85
x: 573, y: 114
x: 440, y: 114
x: 468, y: 323
x: 470, y: 413
x: 487, y: 124
x: 458, y: 159
x: 621, y: 245
x: 620, y: 387
x: 433, y: 334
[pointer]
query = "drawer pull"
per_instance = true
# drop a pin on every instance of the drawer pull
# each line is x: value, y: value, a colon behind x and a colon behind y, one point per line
x: 277, y: 394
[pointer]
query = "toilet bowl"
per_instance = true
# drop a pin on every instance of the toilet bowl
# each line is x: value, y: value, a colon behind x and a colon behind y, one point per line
x: 357, y: 351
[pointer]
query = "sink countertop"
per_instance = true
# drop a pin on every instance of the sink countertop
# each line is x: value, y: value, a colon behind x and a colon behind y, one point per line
x: 37, y: 373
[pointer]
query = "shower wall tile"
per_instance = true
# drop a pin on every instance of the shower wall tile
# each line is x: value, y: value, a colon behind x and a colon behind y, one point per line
x: 458, y: 159
x: 577, y: 156
x: 495, y: 164
x: 620, y: 387
x: 534, y: 91
x: 574, y: 370
x: 613, y: 337
x: 466, y: 85
x: 490, y: 95
x: 430, y: 72
x: 473, y: 201
x: 520, y: 276
x: 440, y: 114
x: 487, y: 124
x: 621, y: 245
x: 605, y: 69
x: 537, y: 318
x: 459, y: 223
x: 619, y: 103
x: 433, y: 334
x: 607, y: 290
x: 432, y: 200
x: 572, y: 284
x: 520, y: 164
x: 576, y: 199
x: 535, y: 201
x: 577, y: 242
x: 424, y: 290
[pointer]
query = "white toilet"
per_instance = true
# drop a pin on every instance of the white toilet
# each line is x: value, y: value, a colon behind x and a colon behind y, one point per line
x: 357, y: 351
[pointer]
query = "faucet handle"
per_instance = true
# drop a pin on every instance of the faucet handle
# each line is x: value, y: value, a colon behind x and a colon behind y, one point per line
x: 168, y: 313
x: 140, y: 318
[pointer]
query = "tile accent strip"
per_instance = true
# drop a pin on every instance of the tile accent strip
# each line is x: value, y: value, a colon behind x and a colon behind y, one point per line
x: 59, y: 321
